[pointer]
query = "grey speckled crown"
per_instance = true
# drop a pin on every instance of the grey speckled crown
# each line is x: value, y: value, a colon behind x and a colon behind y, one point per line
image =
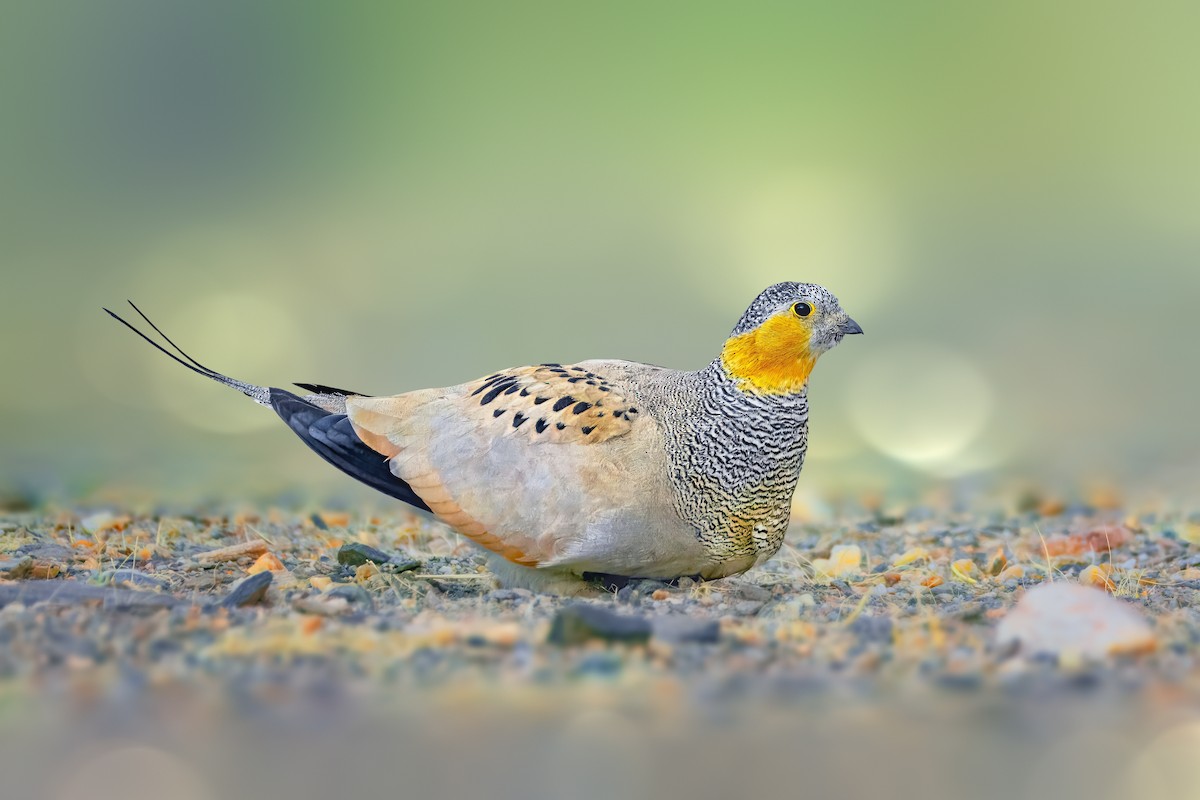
x: 776, y: 298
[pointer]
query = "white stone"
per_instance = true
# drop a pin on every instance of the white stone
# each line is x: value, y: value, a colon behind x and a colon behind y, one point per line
x: 1066, y: 618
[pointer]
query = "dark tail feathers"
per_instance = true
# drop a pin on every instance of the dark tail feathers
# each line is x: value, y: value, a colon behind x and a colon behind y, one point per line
x: 331, y: 436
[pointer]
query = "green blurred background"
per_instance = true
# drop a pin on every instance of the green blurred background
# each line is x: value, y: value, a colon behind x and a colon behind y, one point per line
x: 392, y: 196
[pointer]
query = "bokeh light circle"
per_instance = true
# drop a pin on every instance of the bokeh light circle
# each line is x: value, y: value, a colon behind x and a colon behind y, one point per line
x: 246, y: 336
x: 919, y: 402
x: 134, y: 772
x: 1166, y: 768
x: 834, y: 229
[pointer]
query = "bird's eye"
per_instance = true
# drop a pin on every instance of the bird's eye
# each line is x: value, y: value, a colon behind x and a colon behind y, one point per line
x: 802, y: 309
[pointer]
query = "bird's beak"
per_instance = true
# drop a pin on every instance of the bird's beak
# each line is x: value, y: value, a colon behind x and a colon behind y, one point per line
x: 848, y: 327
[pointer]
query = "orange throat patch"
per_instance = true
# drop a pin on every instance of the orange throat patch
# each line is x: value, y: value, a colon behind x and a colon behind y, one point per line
x: 774, y: 358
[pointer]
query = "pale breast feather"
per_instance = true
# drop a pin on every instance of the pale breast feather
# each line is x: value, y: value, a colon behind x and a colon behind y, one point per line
x: 550, y: 403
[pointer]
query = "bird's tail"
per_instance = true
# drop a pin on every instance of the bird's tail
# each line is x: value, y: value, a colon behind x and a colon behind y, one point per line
x: 259, y: 394
x: 318, y: 419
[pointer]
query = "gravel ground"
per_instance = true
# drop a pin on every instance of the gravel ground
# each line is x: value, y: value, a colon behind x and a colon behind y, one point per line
x: 881, y: 602
x: 285, y: 615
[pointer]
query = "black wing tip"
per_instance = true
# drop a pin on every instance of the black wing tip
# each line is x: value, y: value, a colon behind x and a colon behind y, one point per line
x: 282, y: 398
x: 318, y: 388
x: 332, y: 438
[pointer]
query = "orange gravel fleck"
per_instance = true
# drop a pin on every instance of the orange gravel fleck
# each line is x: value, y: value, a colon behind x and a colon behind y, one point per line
x: 1099, y: 540
x: 1051, y: 508
x: 1097, y: 575
x: 335, y: 519
x: 44, y: 570
x: 505, y: 634
x: 267, y: 562
x: 1011, y: 571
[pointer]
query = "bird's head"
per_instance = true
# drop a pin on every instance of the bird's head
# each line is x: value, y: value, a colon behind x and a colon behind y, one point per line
x: 776, y: 343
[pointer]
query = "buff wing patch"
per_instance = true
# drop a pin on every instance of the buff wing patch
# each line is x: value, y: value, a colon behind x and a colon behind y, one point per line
x: 545, y: 403
x: 551, y: 403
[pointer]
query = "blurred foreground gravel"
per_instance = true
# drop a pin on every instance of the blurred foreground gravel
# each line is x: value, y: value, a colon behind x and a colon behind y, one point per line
x: 274, y: 652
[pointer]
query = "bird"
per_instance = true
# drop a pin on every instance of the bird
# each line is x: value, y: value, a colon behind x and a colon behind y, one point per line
x: 593, y: 474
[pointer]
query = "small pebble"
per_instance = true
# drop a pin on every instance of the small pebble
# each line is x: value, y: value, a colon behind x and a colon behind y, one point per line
x: 580, y: 623
x: 16, y: 568
x: 352, y: 593
x: 676, y: 629
x: 600, y: 664
x: 872, y: 629
x: 249, y: 591
x: 134, y: 577
x: 355, y: 554
x: 748, y: 608
x: 960, y: 681
x: 751, y: 591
